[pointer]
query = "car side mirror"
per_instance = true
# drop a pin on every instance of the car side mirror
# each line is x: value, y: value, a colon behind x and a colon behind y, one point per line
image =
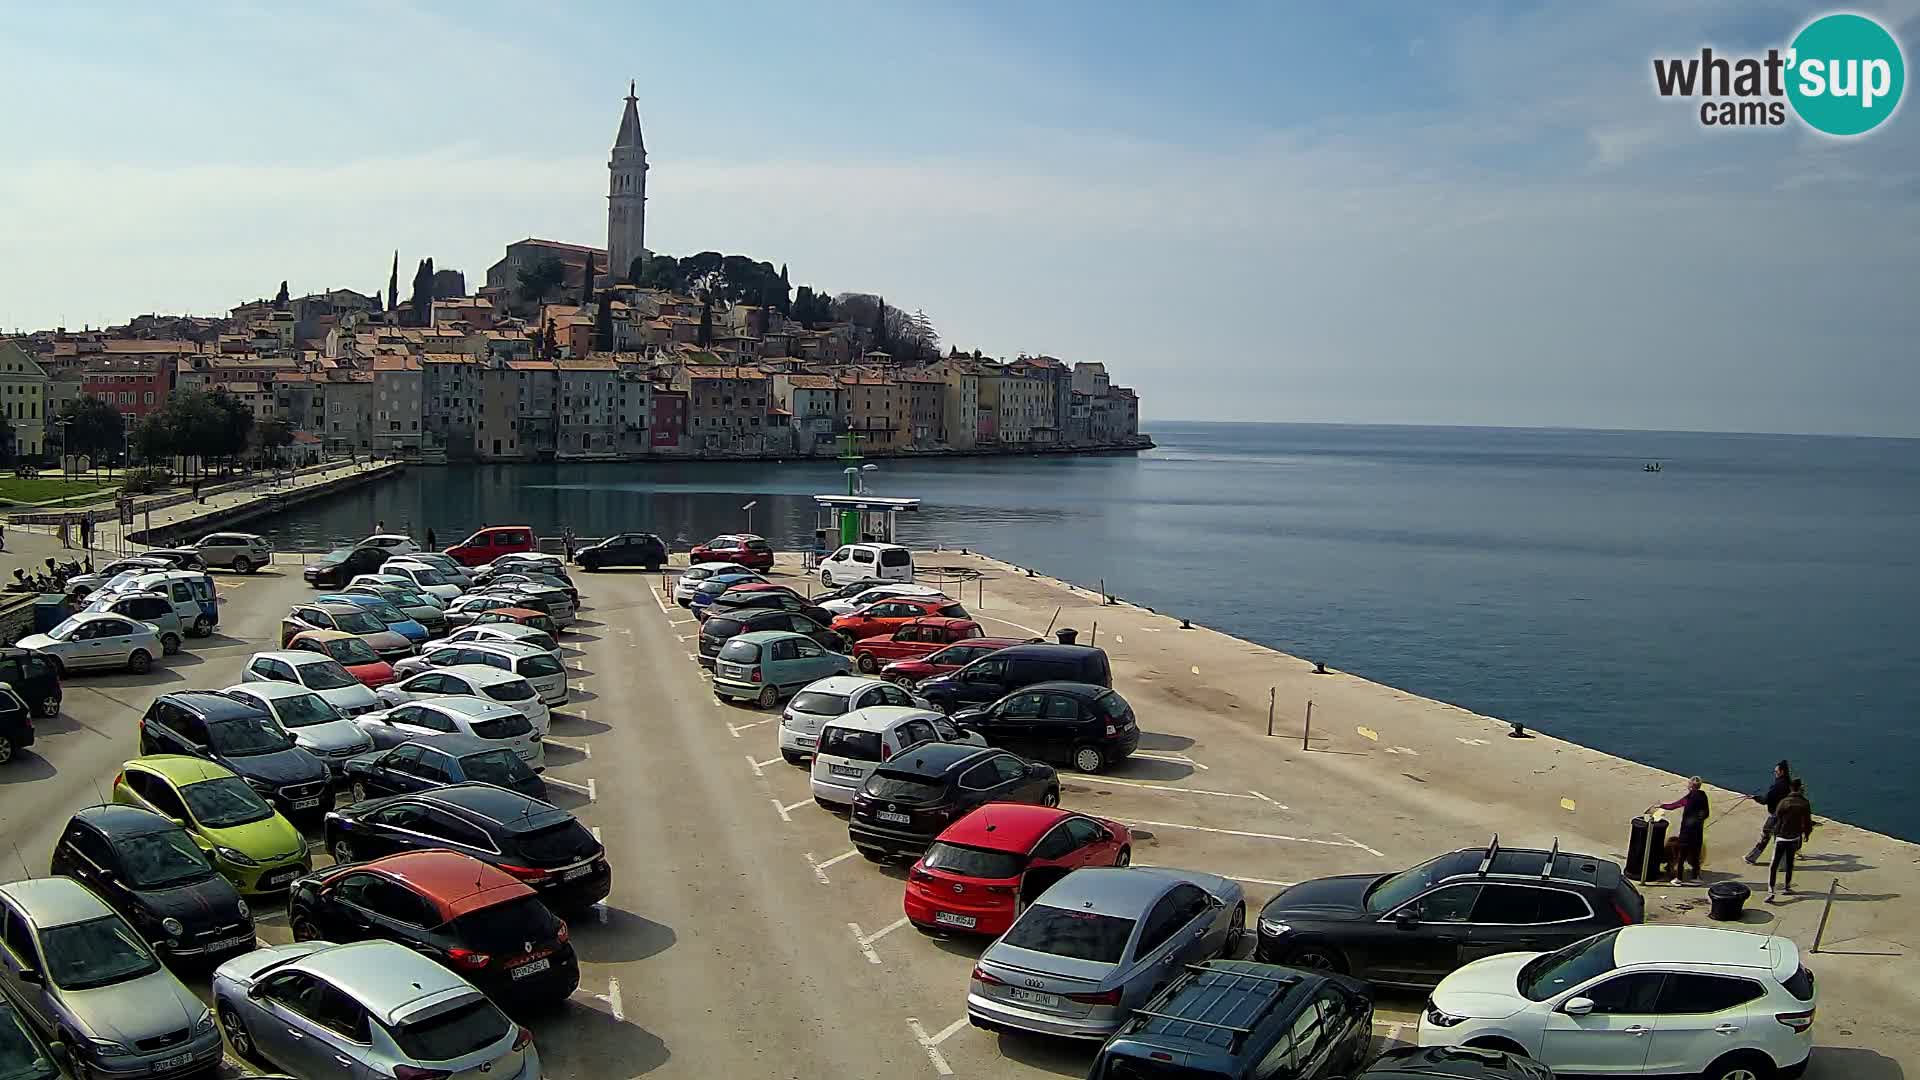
x: 1036, y: 769
x: 1577, y: 1006
x: 1406, y: 918
x: 32, y: 975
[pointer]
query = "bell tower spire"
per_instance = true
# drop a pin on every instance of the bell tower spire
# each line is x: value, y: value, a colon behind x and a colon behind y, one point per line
x: 626, y: 192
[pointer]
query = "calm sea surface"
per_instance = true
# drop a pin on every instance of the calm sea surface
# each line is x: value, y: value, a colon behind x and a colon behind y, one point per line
x: 1759, y: 598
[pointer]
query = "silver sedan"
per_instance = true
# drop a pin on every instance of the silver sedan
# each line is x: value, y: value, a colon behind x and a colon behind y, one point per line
x: 98, y: 639
x: 1097, y: 945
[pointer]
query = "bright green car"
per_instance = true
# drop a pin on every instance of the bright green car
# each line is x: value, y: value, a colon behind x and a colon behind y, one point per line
x: 251, y: 844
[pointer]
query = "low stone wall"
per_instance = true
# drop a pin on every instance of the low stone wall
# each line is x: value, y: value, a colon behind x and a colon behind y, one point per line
x: 16, y: 616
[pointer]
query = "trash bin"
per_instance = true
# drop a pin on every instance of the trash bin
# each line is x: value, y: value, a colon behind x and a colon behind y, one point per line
x: 50, y: 610
x: 1727, y: 898
x: 1647, y: 849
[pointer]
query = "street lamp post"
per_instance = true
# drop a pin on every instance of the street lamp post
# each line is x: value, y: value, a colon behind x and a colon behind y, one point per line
x: 749, y: 509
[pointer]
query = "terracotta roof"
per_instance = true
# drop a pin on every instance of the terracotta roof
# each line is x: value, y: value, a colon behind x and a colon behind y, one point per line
x: 558, y: 246
x: 396, y: 363
x: 448, y: 358
x: 585, y: 363
x: 530, y: 365
x: 864, y: 378
x: 695, y: 371
x: 812, y: 382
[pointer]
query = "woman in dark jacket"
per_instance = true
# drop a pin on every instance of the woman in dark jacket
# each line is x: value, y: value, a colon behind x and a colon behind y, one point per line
x: 1793, y: 820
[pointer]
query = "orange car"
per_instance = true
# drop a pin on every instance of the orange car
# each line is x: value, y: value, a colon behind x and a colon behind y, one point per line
x: 539, y: 620
x: 351, y: 650
x: 886, y: 616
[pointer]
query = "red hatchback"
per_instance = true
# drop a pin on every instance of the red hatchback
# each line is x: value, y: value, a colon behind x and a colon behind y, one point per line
x: 952, y: 658
x: 883, y: 617
x: 988, y: 866
x: 749, y: 551
x: 921, y: 637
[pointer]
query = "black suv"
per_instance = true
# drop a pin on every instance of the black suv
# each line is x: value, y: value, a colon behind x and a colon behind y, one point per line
x: 910, y: 800
x: 430, y: 761
x: 736, y: 621
x: 1411, y: 928
x: 993, y: 677
x: 337, y: 568
x: 34, y: 677
x: 781, y: 599
x: 627, y: 549
x: 16, y: 724
x: 149, y: 870
x: 1087, y: 726
x: 537, y: 842
x: 241, y: 736
x: 1453, y: 1063
x: 1236, y: 1020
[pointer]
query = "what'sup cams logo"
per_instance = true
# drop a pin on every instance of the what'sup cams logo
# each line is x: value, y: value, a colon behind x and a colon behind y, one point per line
x: 1842, y: 75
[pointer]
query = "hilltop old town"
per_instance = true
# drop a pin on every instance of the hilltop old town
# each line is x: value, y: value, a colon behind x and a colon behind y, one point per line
x: 569, y: 352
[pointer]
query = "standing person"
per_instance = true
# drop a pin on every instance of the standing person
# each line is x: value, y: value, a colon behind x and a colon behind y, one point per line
x: 1782, y: 783
x: 1792, y: 822
x: 1688, y: 846
x: 86, y: 531
x: 65, y: 541
x: 566, y: 539
x: 431, y: 546
x: 380, y: 526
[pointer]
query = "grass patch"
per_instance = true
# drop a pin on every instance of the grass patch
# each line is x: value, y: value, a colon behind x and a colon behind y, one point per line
x: 14, y: 489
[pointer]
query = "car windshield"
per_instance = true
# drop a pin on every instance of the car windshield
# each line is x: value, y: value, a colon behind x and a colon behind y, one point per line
x: 304, y: 710
x: 336, y: 557
x: 94, y: 953
x: 244, y: 736
x: 20, y: 1054
x: 156, y: 860
x: 384, y: 611
x: 352, y: 650
x: 817, y: 703
x: 973, y: 862
x: 426, y: 576
x: 1391, y: 892
x: 224, y: 803
x: 455, y: 1033
x: 410, y: 598
x: 740, y: 652
x: 326, y: 675
x: 65, y: 629
x: 536, y: 667
x: 359, y: 622
x: 1545, y: 976
x: 502, y: 767
x: 505, y: 928
x: 502, y: 727
x: 1079, y: 935
x: 512, y: 690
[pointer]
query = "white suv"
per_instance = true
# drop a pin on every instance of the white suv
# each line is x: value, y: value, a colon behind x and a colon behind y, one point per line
x: 829, y: 698
x: 1641, y: 1000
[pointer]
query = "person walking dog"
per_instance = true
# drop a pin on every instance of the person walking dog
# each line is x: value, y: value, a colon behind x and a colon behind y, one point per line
x: 1782, y: 783
x: 1792, y: 822
x: 1688, y: 846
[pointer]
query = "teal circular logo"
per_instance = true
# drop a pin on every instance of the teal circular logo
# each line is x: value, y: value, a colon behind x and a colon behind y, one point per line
x: 1846, y: 74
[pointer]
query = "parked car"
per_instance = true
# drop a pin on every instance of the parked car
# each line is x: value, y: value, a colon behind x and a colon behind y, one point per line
x: 150, y: 871
x: 834, y: 696
x: 240, y: 552
x: 321, y: 674
x: 1453, y: 1063
x: 1003, y: 671
x: 890, y: 562
x: 921, y: 637
x: 192, y: 592
x: 710, y: 588
x: 391, y: 543
x: 1235, y: 1020
x: 748, y: 550
x: 853, y: 745
x: 532, y: 663
x: 490, y: 543
x: 334, y: 569
x: 845, y: 594
x: 1097, y: 945
x: 551, y: 562
x: 389, y: 1011
x: 474, y: 680
x: 644, y: 550
x: 462, y: 612
x: 882, y: 617
x: 23, y: 1053
x: 82, y: 974
x: 871, y: 592
x: 690, y: 578
x: 985, y: 868
x: 765, y: 666
x: 351, y: 650
x: 473, y: 919
x: 412, y: 615
x: 16, y: 724
x: 153, y: 609
x: 449, y: 566
x: 911, y: 799
x: 424, y: 762
x: 1411, y: 928
x: 554, y: 602
x: 1638, y: 1001
x: 717, y: 629
x: 529, y: 581
x: 517, y: 615
x: 538, y: 843
x: 425, y: 578
x: 244, y: 738
x: 179, y: 558
x: 316, y: 727
x: 348, y: 618
x: 513, y: 633
x: 764, y: 597
x: 249, y: 841
x: 80, y: 585
x: 1089, y: 727
x: 94, y: 639
x: 35, y: 677
x: 496, y: 723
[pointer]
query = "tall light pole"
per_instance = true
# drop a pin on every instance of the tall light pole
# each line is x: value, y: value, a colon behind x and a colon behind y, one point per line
x: 749, y: 509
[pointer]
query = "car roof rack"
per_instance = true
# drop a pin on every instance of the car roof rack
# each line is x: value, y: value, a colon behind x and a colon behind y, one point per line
x: 1546, y: 872
x: 1228, y: 982
x: 1493, y: 852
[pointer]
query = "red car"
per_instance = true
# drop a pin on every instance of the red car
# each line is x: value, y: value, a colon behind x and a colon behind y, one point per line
x: 885, y: 616
x: 352, y: 652
x: 952, y: 658
x: 912, y: 641
x: 988, y: 866
x: 749, y: 551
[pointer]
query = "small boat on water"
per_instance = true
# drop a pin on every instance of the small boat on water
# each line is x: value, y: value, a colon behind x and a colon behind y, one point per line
x: 1651, y: 466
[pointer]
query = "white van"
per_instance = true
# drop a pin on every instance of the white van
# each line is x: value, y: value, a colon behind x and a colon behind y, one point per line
x: 854, y: 745
x: 858, y: 562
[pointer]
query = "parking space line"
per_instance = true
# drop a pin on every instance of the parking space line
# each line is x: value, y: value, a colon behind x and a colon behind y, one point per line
x: 780, y: 809
x: 792, y: 806
x: 735, y: 729
x: 1343, y: 841
x: 583, y: 789
x: 865, y: 941
x: 1183, y: 790
x: 758, y: 765
x: 1361, y: 846
x: 820, y: 868
x: 600, y: 906
x: 754, y: 765
x: 1177, y: 759
x: 612, y: 998
x: 583, y: 749
x: 932, y: 1046
x: 1009, y: 622
x: 655, y: 593
x: 1248, y: 880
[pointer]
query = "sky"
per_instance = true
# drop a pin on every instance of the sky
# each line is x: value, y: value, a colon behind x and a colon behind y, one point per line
x: 1462, y: 213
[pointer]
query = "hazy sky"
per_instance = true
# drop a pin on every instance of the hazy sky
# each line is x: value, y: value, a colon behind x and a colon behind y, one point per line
x: 1397, y: 213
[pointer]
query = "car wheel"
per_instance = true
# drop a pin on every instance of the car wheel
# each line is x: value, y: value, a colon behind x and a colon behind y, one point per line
x: 50, y: 705
x: 76, y: 1059
x: 1741, y: 1066
x: 769, y: 697
x: 1051, y: 798
x: 359, y: 792
x: 868, y: 665
x: 1125, y: 858
x: 140, y: 662
x: 238, y: 1036
x: 170, y: 644
x: 1239, y: 922
x: 242, y: 565
x: 1504, y: 1046
x: 342, y: 851
x: 6, y: 749
x: 1089, y: 759
x: 1316, y: 957
x: 202, y: 627
x: 304, y: 930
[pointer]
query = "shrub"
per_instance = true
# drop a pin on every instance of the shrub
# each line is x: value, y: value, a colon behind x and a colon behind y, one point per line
x: 146, y: 481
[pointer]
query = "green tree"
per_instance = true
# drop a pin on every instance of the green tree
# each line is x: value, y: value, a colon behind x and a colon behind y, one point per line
x: 8, y: 446
x: 280, y: 298
x: 393, y: 282
x: 603, y: 324
x: 541, y: 279
x: 781, y: 300
x: 93, y: 427
x: 269, y: 437
x: 586, y: 282
x: 152, y: 438
x: 422, y: 299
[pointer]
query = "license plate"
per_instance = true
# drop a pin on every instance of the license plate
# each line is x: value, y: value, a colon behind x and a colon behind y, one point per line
x: 1033, y: 997
x: 576, y: 873
x: 231, y: 943
x: 844, y: 770
x: 177, y: 1061
x: 534, y: 968
x: 306, y: 804
x: 279, y: 877
x: 893, y: 818
x: 807, y: 742
x: 948, y: 918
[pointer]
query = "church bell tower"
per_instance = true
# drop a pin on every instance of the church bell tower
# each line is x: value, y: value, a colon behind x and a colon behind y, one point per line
x: 626, y: 193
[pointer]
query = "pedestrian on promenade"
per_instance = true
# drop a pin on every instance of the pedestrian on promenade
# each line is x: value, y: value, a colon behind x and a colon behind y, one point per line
x: 1688, y: 846
x: 566, y: 539
x: 86, y: 531
x: 1792, y: 823
x: 431, y: 546
x: 379, y: 526
x: 65, y: 541
x: 1782, y: 783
